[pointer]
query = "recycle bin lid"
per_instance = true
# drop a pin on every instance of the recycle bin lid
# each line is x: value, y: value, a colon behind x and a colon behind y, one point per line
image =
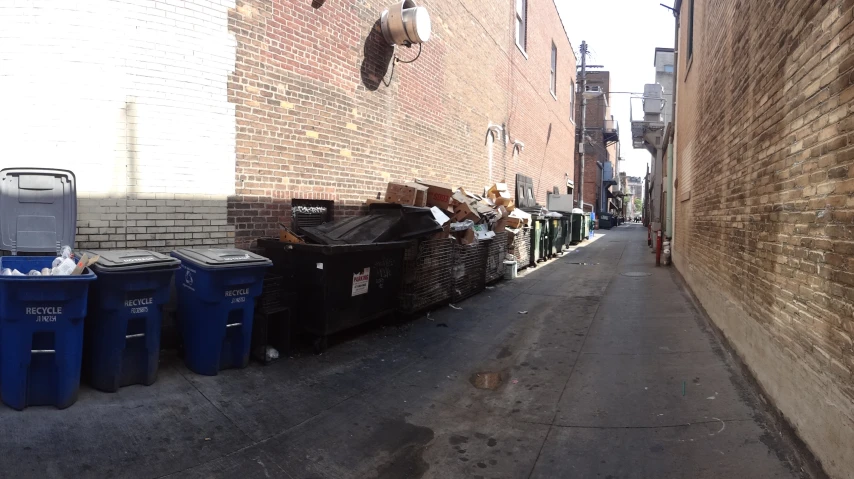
x: 130, y: 260
x: 221, y: 257
x: 38, y: 210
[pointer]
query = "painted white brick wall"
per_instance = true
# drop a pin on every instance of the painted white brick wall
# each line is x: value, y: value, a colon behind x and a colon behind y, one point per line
x: 130, y: 95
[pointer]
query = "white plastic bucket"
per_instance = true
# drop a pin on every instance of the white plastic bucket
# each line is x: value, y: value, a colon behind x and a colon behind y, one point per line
x: 510, y: 270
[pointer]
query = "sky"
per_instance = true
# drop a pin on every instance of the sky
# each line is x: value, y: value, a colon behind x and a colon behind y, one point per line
x: 622, y: 36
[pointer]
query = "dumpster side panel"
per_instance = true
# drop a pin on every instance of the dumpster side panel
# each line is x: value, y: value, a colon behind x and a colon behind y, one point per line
x: 349, y: 290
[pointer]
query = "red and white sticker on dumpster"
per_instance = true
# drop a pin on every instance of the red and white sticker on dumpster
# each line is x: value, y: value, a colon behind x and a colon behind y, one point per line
x: 361, y: 281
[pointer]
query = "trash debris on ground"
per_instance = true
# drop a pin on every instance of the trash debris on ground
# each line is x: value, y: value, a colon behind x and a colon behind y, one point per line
x: 523, y: 312
x: 455, y: 307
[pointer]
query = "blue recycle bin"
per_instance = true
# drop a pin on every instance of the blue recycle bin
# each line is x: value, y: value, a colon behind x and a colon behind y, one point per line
x: 42, y: 334
x: 216, y: 303
x: 122, y: 340
x: 41, y: 317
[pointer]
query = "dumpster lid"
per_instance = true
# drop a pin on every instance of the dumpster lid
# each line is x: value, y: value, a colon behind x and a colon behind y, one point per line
x: 373, y: 228
x: 38, y: 210
x: 129, y: 260
x: 221, y: 257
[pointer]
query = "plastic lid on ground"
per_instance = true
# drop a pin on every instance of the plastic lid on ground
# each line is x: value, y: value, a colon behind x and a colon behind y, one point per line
x: 130, y: 260
x: 38, y: 210
x: 221, y: 257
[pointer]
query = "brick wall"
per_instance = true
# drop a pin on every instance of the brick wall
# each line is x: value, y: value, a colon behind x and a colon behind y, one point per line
x: 131, y: 96
x: 764, y: 215
x: 321, y: 113
x: 598, y: 112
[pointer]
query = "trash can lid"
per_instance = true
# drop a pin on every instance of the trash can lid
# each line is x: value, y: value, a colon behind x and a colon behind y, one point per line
x: 130, y: 260
x: 38, y: 210
x: 577, y: 211
x: 221, y: 257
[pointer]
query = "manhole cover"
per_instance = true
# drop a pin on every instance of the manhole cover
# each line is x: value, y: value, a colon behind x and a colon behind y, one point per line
x: 636, y: 274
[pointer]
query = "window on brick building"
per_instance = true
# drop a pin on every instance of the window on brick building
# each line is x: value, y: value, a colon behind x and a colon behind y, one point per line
x: 691, y: 30
x: 522, y: 24
x: 553, y: 86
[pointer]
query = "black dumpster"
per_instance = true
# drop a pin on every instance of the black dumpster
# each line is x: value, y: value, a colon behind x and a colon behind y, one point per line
x: 339, y: 286
x: 469, y: 270
x: 522, y: 248
x: 496, y: 251
x: 427, y: 274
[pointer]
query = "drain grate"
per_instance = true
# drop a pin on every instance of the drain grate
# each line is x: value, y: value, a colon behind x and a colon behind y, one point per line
x: 636, y: 274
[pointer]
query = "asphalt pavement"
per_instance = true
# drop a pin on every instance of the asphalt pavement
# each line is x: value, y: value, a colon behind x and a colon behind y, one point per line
x: 594, y: 365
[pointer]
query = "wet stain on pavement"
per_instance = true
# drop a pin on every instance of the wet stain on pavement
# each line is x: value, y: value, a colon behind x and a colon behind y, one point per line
x: 486, y: 380
x: 405, y: 444
x: 504, y: 353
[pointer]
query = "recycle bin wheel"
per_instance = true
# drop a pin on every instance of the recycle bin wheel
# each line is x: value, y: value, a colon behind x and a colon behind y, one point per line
x: 320, y: 344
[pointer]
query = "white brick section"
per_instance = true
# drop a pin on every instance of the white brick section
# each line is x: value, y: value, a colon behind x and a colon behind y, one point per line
x: 130, y: 95
x: 135, y: 226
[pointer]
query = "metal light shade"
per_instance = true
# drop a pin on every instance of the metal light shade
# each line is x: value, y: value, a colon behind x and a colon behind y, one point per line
x: 405, y: 22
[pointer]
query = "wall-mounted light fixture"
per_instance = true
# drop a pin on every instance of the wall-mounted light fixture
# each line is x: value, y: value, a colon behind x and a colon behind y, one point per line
x: 405, y: 23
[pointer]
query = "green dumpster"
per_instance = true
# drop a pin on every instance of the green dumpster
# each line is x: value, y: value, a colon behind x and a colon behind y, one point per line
x: 579, y: 226
x: 539, y: 239
x: 588, y: 226
x: 555, y: 238
x: 566, y: 226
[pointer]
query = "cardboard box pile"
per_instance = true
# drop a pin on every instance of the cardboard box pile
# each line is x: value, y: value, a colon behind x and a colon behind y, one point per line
x: 494, y: 212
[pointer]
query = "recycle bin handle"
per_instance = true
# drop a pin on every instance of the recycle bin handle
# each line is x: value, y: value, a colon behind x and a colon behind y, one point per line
x: 43, y: 351
x: 233, y: 325
x: 138, y: 335
x: 240, y: 279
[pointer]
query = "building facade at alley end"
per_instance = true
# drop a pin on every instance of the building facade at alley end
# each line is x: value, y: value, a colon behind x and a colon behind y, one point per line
x: 199, y: 122
x: 763, y: 199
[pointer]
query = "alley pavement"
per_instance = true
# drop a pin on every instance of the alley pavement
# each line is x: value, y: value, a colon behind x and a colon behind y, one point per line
x: 595, y: 365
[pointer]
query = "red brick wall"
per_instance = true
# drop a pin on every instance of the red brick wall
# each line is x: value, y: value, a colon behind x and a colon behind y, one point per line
x: 597, y: 113
x: 764, y: 213
x: 316, y: 120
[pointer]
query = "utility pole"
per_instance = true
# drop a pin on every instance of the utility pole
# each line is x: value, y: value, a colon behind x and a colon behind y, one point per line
x: 583, y: 121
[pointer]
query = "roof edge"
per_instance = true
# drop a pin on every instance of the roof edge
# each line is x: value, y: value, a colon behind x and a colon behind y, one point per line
x: 563, y: 25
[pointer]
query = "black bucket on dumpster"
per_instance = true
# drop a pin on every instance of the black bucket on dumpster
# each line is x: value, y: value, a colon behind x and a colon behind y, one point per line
x: 340, y: 286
